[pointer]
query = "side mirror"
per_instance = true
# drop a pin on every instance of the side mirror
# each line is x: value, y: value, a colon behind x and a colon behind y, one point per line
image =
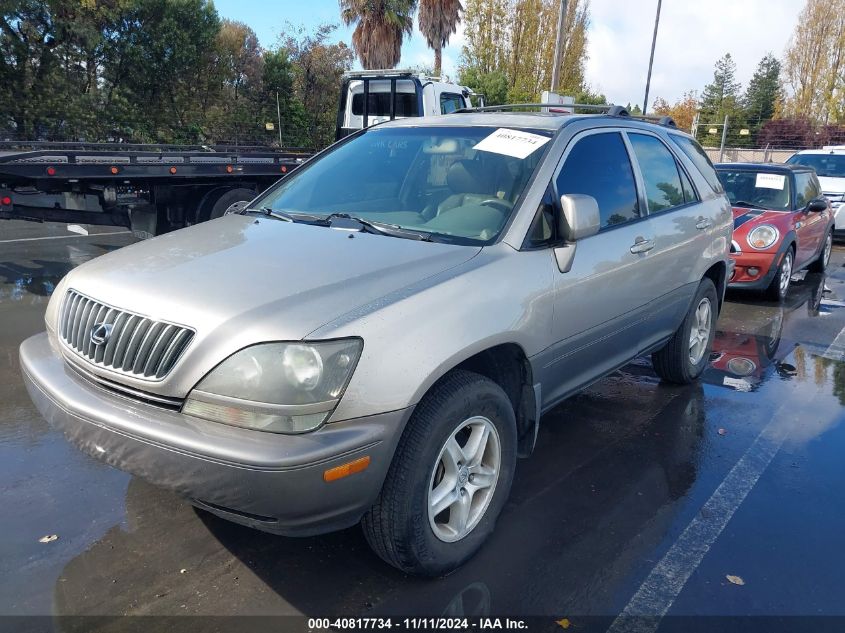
x: 818, y: 205
x: 580, y: 216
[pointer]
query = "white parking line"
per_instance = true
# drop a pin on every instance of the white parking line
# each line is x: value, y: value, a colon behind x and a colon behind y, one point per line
x: 664, y: 583
x: 62, y: 237
x: 836, y: 350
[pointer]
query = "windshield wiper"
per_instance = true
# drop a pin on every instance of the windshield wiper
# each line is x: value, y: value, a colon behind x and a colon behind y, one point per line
x: 381, y: 228
x: 743, y: 203
x: 286, y: 216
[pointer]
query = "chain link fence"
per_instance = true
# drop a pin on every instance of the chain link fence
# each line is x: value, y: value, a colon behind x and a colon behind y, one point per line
x: 773, y: 141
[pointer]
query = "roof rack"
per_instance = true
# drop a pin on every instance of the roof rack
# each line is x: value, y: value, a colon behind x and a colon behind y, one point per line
x: 608, y: 109
x: 389, y: 72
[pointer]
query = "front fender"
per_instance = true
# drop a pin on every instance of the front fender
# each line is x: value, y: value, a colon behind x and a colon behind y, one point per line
x: 415, y: 336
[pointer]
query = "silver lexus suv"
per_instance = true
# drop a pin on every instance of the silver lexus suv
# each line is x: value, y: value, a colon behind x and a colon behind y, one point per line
x: 375, y: 338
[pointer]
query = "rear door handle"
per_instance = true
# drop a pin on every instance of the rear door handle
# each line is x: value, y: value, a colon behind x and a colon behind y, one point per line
x: 642, y: 246
x: 703, y: 223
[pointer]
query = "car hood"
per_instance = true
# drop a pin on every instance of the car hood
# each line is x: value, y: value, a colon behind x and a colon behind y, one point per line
x: 240, y: 280
x: 744, y: 215
x: 832, y: 185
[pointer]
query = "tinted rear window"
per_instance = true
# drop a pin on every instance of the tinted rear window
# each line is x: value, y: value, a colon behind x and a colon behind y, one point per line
x: 699, y: 158
x: 379, y: 104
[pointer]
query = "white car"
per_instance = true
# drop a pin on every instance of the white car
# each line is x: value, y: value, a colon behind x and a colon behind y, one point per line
x: 829, y: 163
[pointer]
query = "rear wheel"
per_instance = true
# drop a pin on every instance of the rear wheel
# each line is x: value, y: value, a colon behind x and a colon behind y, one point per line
x: 227, y: 199
x: 449, y: 479
x: 685, y: 356
x: 820, y: 265
x: 779, y: 287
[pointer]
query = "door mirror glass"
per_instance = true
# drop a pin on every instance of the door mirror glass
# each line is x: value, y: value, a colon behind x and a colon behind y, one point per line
x: 818, y: 205
x: 580, y: 217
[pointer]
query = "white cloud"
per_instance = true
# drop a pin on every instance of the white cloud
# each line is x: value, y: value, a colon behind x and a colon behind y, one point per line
x: 691, y: 37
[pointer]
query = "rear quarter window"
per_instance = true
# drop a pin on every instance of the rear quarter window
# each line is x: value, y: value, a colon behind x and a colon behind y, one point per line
x: 699, y: 158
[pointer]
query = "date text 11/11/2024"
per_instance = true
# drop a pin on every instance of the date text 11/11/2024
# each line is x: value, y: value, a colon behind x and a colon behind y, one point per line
x: 418, y: 624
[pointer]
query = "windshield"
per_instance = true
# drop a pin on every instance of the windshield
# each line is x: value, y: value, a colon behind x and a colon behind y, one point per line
x: 829, y: 165
x: 429, y: 179
x: 765, y: 190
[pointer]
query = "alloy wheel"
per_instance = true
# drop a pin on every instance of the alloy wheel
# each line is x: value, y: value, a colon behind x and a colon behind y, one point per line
x: 699, y: 334
x: 828, y: 247
x: 785, y: 273
x: 464, y: 478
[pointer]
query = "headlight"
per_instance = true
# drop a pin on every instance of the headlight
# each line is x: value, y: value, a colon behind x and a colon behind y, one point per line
x: 277, y: 387
x: 741, y: 366
x: 763, y: 236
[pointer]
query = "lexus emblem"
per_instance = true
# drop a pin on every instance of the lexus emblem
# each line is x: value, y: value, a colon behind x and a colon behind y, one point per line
x: 100, y: 333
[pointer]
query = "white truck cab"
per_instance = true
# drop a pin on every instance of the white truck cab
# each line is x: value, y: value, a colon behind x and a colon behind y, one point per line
x: 373, y: 96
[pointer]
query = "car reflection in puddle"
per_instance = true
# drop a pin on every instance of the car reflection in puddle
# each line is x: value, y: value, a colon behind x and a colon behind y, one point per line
x: 755, y: 340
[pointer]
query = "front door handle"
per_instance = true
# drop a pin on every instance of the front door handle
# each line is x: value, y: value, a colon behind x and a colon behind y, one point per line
x: 642, y: 246
x: 703, y: 223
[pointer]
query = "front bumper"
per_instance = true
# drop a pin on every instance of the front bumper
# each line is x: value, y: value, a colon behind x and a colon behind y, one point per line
x: 767, y: 263
x: 268, y: 481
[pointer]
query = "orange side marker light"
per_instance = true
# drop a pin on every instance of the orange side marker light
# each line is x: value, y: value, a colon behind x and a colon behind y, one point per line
x: 344, y: 470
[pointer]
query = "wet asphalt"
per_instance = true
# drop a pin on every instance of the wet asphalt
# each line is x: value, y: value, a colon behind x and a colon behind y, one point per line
x: 641, y: 498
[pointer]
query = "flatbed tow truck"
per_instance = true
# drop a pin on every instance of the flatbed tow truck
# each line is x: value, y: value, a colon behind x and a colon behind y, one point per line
x: 150, y: 189
x: 153, y: 189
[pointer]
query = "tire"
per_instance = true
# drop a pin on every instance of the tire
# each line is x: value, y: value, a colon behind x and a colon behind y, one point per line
x: 399, y: 527
x: 674, y: 362
x: 820, y: 265
x: 227, y: 200
x: 779, y: 287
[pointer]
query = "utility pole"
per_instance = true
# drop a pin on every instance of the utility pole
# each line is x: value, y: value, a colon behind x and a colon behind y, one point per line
x: 724, y: 136
x: 561, y: 20
x: 279, y: 116
x: 651, y: 59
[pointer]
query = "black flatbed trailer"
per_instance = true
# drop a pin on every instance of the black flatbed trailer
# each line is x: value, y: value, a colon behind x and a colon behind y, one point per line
x: 150, y: 189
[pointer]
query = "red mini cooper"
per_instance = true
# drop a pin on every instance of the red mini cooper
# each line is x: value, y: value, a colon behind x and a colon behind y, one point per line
x: 782, y: 224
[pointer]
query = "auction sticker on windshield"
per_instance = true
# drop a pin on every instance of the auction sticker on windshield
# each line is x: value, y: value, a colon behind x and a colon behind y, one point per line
x: 512, y: 143
x: 770, y: 181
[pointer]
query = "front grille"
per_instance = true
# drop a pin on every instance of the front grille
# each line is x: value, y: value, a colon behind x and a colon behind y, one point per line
x: 137, y: 346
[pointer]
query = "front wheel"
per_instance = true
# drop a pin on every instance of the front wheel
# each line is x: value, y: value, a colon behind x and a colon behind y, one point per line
x: 449, y: 479
x: 686, y: 354
x: 779, y: 287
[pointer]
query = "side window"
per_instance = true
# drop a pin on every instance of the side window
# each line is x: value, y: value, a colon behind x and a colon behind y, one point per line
x: 449, y: 102
x: 699, y: 158
x: 661, y: 177
x: 598, y: 166
x: 805, y: 189
x: 689, y: 191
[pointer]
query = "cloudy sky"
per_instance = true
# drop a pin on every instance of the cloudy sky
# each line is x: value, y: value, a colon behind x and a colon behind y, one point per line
x: 692, y: 36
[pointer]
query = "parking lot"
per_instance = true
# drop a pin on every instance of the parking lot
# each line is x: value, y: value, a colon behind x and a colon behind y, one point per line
x: 640, y: 499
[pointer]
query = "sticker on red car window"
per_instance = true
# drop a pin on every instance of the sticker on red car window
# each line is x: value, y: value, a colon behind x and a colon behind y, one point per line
x: 770, y: 181
x: 512, y: 143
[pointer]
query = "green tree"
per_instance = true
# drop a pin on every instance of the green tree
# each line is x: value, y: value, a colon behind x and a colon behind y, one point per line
x: 719, y: 99
x: 318, y: 66
x: 763, y: 91
x: 513, y: 37
x: 438, y: 20
x: 380, y: 27
x: 493, y: 85
x: 278, y: 83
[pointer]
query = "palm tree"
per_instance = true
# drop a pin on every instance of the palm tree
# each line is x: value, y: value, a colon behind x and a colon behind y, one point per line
x: 380, y: 28
x: 438, y: 20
